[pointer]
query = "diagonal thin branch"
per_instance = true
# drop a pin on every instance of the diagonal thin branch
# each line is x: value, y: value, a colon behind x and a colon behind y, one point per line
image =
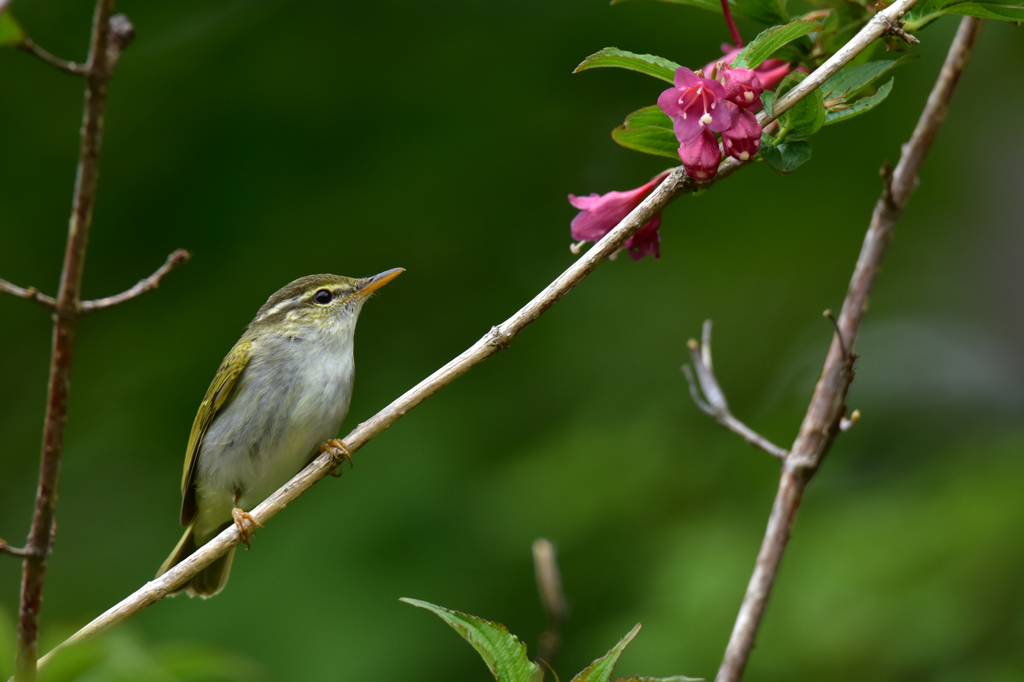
x: 715, y: 404
x: 29, y: 294
x: 674, y: 186
x: 828, y: 404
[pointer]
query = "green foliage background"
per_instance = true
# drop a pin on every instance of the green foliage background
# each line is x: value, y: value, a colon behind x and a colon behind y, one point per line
x: 278, y: 139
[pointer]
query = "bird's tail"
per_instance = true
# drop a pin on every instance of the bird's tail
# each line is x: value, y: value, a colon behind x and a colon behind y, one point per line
x: 208, y: 581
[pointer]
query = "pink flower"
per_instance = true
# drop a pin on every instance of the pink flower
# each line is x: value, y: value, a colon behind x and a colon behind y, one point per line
x: 769, y: 72
x: 600, y: 213
x: 743, y: 88
x: 701, y: 156
x: 695, y: 105
x: 743, y: 139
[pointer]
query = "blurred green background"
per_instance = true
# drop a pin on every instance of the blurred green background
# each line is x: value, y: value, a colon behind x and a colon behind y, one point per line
x: 277, y: 139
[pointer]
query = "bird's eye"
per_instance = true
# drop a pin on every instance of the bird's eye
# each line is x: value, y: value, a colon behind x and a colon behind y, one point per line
x: 323, y: 297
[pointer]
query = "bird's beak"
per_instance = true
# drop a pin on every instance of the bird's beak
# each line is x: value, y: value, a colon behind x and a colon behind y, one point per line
x: 377, y: 281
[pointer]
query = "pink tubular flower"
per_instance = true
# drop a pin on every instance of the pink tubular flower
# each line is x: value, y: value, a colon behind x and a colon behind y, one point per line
x: 769, y: 72
x: 695, y: 105
x: 742, y: 87
x: 743, y: 139
x: 600, y: 213
x: 701, y: 156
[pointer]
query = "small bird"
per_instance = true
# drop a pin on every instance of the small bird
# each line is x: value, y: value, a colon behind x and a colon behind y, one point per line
x: 281, y: 391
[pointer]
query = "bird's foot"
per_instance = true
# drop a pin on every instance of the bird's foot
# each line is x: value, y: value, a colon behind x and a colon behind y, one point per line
x: 245, y: 524
x: 339, y: 455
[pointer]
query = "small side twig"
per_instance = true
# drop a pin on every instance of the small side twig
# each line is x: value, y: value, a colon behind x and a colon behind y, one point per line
x: 177, y: 258
x: 552, y: 598
x: 896, y: 29
x: 13, y: 551
x: 73, y: 68
x: 715, y: 404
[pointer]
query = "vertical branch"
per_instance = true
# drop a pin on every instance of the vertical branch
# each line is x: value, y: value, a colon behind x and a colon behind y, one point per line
x: 97, y: 73
x: 828, y: 404
x: 552, y: 598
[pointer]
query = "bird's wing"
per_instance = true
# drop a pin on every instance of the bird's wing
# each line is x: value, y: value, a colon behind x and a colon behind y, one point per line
x: 216, y: 397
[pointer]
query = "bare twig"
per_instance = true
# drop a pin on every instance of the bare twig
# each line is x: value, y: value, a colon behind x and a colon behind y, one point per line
x: 29, y: 294
x: 65, y: 322
x: 828, y: 404
x: 675, y: 185
x: 179, y: 257
x: 716, y: 405
x: 74, y: 68
x: 13, y: 551
x: 552, y: 598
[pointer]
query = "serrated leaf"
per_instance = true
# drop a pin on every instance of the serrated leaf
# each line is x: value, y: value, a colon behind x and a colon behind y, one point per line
x: 806, y: 116
x: 851, y: 81
x: 601, y: 669
x: 930, y: 10
x: 502, y: 651
x: 648, y: 130
x: 787, y: 156
x: 11, y: 33
x: 859, y: 107
x: 650, y: 64
x: 771, y: 39
x: 764, y: 11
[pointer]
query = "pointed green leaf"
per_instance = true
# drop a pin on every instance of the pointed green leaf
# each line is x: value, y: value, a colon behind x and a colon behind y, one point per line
x: 650, y: 64
x: 930, y: 10
x: 807, y: 116
x: 648, y: 130
x: 765, y: 11
x: 771, y: 39
x: 851, y: 81
x: 502, y: 651
x: 785, y: 157
x: 11, y: 33
x: 601, y: 669
x: 859, y: 107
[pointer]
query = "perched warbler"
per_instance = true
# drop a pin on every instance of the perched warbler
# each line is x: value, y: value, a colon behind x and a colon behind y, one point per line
x: 281, y: 391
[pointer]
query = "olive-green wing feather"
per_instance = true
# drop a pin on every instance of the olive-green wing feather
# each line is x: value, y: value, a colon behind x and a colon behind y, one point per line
x: 216, y: 397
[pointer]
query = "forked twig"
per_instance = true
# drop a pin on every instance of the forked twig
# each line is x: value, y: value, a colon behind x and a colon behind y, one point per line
x: 713, y: 402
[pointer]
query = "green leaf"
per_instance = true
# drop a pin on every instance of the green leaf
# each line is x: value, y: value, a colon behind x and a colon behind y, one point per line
x: 648, y: 130
x: 764, y: 11
x: 601, y: 669
x: 11, y: 33
x: 785, y: 157
x: 853, y: 80
x: 650, y: 64
x: 502, y: 651
x: 930, y: 10
x: 859, y: 107
x: 771, y: 39
x: 807, y: 116
x: 768, y: 101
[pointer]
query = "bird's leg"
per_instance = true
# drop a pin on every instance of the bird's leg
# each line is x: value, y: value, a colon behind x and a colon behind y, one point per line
x: 245, y: 523
x: 339, y: 454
